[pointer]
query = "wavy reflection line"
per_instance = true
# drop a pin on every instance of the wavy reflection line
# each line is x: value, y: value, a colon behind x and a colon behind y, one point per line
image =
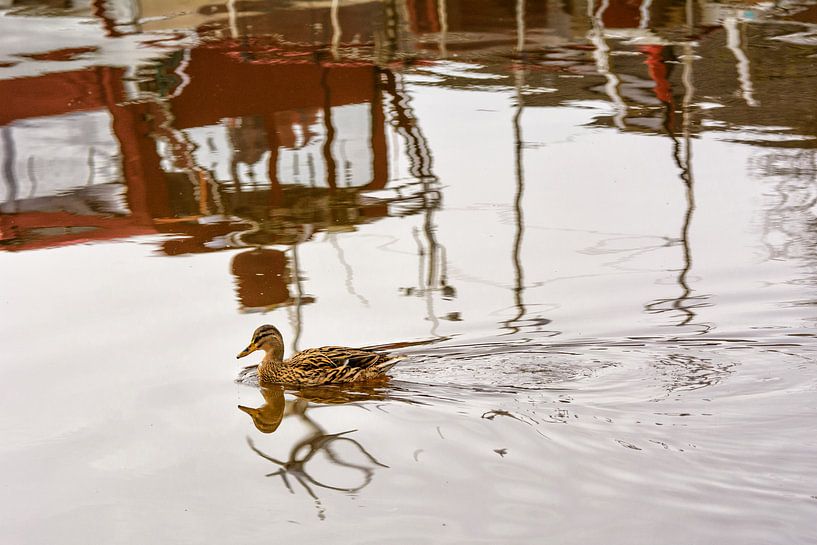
x: 734, y: 43
x: 442, y: 15
x: 686, y: 176
x: 350, y: 274
x: 644, y: 18
x: 336, y: 29
x: 685, y: 303
x: 519, y: 173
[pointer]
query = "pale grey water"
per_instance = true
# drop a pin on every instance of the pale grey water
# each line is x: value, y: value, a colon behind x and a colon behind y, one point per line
x: 598, y: 243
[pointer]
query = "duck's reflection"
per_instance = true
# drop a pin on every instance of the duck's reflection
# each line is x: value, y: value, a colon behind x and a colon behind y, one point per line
x: 268, y: 417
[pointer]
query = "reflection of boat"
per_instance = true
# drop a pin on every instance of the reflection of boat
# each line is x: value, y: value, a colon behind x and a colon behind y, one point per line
x: 233, y: 161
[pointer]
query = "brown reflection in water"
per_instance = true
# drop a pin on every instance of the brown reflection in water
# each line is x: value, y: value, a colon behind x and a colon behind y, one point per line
x: 268, y: 417
x: 262, y: 278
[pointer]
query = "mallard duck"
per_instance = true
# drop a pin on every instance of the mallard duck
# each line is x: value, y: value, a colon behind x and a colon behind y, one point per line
x: 315, y: 366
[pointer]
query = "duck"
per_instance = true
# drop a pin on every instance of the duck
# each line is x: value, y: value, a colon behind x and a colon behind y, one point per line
x: 316, y: 366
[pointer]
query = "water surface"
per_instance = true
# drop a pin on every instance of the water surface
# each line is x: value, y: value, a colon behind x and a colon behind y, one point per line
x: 589, y: 226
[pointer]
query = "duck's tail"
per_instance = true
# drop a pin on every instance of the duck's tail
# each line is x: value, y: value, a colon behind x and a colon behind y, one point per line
x: 385, y: 365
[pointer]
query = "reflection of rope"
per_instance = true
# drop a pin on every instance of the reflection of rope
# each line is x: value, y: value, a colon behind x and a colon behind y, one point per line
x: 350, y: 275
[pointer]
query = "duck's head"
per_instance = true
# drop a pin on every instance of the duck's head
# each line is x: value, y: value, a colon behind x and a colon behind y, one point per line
x: 268, y: 339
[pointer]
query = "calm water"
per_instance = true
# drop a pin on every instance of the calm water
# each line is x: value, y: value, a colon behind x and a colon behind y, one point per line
x: 592, y: 228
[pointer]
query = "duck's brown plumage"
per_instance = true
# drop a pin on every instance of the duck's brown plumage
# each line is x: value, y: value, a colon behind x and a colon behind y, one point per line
x: 316, y: 366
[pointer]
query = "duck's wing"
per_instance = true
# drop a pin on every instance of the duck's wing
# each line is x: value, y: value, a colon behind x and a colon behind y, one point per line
x: 335, y: 357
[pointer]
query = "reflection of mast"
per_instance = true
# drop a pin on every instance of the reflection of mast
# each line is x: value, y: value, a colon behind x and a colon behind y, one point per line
x: 331, y: 168
x: 336, y: 30
x: 682, y: 154
x: 644, y: 19
x: 520, y: 27
x: 520, y: 178
x: 685, y: 164
x: 232, y: 17
x: 733, y: 42
x: 442, y: 15
x: 601, y: 54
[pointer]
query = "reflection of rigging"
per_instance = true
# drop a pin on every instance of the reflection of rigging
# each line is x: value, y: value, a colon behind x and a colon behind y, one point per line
x: 514, y: 323
x: 433, y: 275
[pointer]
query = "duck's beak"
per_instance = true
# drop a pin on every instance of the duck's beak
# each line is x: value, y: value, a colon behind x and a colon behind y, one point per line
x: 249, y: 350
x: 249, y: 410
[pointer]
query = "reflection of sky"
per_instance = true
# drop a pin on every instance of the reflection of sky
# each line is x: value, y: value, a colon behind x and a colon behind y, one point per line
x: 352, y: 144
x: 301, y: 164
x: 57, y: 154
x: 18, y: 35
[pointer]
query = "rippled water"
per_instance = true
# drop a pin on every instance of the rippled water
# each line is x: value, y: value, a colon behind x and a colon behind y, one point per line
x: 591, y: 228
